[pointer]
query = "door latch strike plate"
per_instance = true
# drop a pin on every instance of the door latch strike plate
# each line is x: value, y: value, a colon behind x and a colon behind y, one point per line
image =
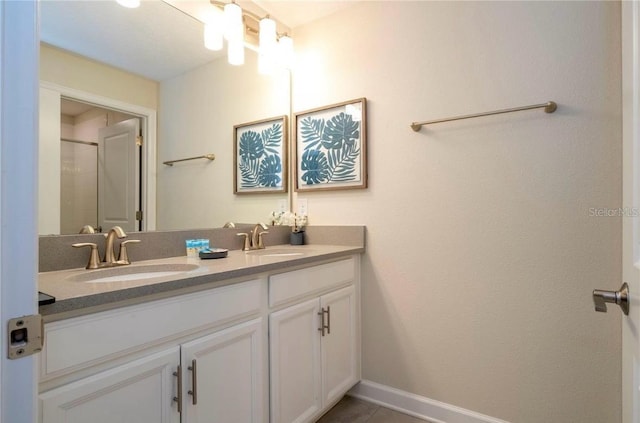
x: 26, y: 336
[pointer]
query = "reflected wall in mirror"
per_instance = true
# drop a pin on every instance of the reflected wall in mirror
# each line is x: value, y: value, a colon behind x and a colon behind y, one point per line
x: 199, y: 98
x: 198, y: 112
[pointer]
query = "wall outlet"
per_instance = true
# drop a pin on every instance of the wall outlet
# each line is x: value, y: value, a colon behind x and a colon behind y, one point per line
x: 303, y: 207
x: 282, y: 206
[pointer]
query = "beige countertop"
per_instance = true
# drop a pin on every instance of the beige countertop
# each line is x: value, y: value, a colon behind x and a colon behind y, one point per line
x: 75, y: 295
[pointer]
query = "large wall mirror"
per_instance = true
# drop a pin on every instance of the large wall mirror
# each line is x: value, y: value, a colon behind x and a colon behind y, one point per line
x: 147, y: 64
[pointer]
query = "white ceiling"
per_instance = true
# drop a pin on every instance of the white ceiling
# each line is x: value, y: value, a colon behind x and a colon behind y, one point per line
x: 294, y: 13
x: 156, y: 40
x: 74, y: 108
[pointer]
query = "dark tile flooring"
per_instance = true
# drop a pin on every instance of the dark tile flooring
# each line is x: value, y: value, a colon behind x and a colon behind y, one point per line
x: 353, y: 410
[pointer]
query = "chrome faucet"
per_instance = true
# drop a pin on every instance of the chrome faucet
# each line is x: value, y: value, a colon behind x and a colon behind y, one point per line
x: 109, y: 253
x: 253, y: 241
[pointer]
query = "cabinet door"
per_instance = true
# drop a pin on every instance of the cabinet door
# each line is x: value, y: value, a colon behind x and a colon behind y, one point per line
x: 295, y: 363
x: 340, y: 367
x: 140, y: 391
x: 227, y: 384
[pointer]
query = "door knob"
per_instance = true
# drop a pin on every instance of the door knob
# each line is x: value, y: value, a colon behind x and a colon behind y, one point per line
x: 621, y: 297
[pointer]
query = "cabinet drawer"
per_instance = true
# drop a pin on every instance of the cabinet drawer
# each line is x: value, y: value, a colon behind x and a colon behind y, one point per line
x: 77, y: 343
x: 290, y: 286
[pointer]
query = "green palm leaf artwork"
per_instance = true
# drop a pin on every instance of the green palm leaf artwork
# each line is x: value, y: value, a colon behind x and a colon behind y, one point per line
x: 259, y: 156
x: 330, y: 145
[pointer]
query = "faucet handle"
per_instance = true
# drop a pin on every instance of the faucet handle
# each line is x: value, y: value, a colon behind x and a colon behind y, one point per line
x: 260, y: 243
x: 246, y: 245
x: 123, y: 257
x: 94, y: 259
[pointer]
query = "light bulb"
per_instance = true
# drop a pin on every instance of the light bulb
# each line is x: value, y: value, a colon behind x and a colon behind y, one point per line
x: 235, y: 52
x: 131, y: 4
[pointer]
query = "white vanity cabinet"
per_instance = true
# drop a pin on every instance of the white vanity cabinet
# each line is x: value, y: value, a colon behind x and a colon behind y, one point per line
x: 226, y: 376
x: 280, y: 348
x: 217, y: 374
x: 314, y: 342
x: 140, y: 391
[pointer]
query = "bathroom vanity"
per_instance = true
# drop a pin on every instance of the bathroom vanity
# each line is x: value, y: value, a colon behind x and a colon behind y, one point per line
x: 269, y: 336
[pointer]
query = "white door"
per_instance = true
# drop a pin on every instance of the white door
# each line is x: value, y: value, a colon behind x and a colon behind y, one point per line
x: 136, y: 392
x: 631, y: 200
x: 295, y: 363
x: 118, y: 175
x: 339, y: 349
x: 18, y: 204
x: 224, y: 376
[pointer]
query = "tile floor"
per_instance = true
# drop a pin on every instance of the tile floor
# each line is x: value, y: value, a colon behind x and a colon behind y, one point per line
x: 353, y: 410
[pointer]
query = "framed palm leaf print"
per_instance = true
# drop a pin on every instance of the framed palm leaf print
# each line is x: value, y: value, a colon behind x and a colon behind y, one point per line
x: 331, y: 146
x: 260, y: 156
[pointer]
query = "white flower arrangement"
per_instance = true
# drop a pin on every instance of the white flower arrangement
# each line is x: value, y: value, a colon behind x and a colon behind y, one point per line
x: 297, y: 222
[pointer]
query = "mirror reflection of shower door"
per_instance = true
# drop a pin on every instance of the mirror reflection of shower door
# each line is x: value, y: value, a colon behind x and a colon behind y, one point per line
x: 78, y: 185
x: 118, y: 175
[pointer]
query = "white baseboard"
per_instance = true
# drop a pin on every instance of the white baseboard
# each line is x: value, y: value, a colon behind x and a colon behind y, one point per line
x: 416, y: 405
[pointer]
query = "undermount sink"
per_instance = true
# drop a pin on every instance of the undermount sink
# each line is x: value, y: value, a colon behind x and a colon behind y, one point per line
x: 279, y: 252
x: 133, y: 273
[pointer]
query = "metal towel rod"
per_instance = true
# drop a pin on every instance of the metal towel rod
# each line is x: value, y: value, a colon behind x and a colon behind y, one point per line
x: 549, y: 107
x: 206, y: 156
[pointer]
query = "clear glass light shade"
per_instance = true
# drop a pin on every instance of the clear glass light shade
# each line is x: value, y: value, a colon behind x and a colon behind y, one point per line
x: 233, y: 26
x: 131, y: 4
x: 213, y: 39
x: 235, y: 52
x: 285, y: 52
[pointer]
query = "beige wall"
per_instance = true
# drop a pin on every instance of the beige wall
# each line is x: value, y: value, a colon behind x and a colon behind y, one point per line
x: 481, y: 254
x: 80, y: 73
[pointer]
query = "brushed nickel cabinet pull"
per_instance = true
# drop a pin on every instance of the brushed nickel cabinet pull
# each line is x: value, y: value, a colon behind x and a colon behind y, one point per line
x: 194, y: 382
x: 321, y: 314
x: 178, y: 398
x: 323, y: 327
x: 328, y: 320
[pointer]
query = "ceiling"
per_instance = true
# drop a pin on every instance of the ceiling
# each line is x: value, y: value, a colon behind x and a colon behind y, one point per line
x: 295, y: 13
x: 160, y: 39
x: 74, y: 108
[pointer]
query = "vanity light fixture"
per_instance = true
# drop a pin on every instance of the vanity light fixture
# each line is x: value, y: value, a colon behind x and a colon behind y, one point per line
x: 131, y: 4
x: 274, y: 50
